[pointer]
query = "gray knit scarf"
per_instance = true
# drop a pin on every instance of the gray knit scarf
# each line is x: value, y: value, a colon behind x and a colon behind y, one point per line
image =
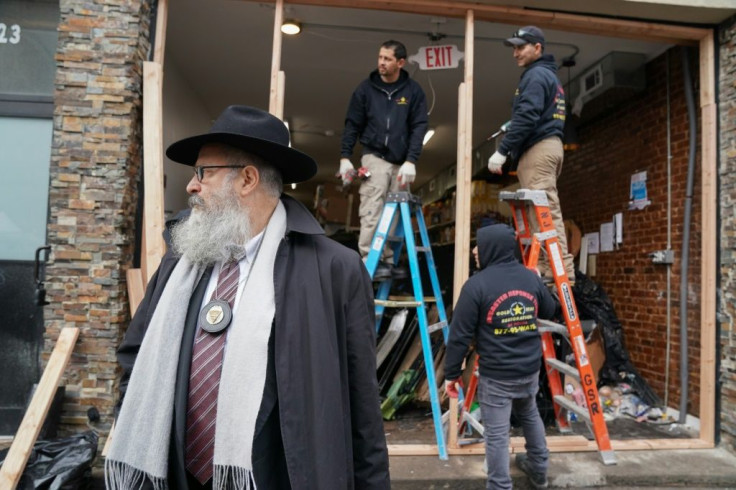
x: 140, y: 446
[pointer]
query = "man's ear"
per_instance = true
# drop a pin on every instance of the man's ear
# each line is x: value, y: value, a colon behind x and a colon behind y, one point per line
x: 401, y: 62
x: 249, y: 179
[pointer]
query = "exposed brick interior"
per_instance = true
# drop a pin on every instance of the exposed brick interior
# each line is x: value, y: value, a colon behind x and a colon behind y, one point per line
x: 595, y: 185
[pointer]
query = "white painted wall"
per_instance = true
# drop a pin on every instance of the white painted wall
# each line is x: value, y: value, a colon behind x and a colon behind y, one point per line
x: 184, y: 115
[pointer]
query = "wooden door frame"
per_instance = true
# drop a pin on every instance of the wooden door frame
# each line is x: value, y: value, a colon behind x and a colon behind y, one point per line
x: 586, y: 24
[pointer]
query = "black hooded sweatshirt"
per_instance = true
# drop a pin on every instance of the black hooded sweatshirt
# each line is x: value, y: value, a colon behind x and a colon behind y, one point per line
x: 499, y: 306
x: 389, y: 119
x: 538, y: 110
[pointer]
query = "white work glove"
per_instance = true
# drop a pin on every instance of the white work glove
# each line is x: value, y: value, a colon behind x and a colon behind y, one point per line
x: 407, y: 173
x: 496, y: 162
x: 345, y: 166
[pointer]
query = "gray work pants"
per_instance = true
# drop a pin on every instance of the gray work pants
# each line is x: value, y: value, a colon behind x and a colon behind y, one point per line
x: 497, y: 398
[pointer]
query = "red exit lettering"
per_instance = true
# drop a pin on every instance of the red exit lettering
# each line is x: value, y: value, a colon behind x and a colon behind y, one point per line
x: 438, y: 57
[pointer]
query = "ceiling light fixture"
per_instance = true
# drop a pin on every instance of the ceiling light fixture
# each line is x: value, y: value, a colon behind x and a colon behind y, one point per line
x: 293, y: 185
x: 291, y: 27
x: 428, y: 136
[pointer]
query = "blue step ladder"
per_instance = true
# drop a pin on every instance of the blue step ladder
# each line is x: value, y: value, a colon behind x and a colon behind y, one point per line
x: 401, y: 207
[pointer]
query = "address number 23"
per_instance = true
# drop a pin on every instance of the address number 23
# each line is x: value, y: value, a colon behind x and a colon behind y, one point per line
x: 9, y: 34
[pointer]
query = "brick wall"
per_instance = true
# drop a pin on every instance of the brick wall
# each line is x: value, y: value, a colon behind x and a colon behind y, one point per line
x: 727, y: 177
x: 594, y: 185
x: 96, y: 157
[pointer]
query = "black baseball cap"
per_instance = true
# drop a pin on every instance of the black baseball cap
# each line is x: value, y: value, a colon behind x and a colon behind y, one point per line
x: 528, y: 34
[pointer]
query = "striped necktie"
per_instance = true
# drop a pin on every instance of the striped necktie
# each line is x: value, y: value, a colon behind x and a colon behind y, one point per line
x: 204, y: 383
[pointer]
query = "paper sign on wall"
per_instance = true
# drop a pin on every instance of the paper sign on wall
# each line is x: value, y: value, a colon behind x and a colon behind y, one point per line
x: 638, y: 193
x: 593, y: 241
x: 607, y: 237
x: 618, y: 223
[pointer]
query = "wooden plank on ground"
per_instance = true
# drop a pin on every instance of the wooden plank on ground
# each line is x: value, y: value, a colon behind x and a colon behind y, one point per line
x: 30, y: 426
x: 555, y: 444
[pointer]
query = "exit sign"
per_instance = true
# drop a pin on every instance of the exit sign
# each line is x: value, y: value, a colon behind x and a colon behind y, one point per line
x: 437, y: 57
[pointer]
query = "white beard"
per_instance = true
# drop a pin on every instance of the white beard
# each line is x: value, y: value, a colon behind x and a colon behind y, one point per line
x: 216, y: 231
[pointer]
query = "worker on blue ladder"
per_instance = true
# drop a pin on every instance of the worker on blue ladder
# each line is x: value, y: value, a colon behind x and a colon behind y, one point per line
x: 388, y: 115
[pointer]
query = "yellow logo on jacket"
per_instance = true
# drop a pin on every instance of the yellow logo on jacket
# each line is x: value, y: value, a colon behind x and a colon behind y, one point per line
x: 402, y: 101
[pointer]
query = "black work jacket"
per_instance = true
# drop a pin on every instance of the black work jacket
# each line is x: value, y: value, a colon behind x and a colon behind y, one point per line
x: 389, y: 124
x: 538, y: 110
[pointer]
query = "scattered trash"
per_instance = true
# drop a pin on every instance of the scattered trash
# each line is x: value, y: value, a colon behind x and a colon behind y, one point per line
x: 621, y: 400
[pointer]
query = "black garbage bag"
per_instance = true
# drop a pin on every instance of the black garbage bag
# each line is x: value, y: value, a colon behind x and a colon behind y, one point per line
x: 59, y: 464
x: 593, y: 304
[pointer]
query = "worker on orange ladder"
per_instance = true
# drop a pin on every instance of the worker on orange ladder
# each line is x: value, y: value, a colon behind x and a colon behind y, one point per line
x: 534, y: 134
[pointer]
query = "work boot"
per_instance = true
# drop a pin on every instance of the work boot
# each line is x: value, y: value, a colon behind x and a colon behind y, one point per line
x: 539, y: 480
x: 383, y: 272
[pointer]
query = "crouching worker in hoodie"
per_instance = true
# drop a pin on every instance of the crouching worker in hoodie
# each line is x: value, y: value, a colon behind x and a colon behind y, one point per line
x: 498, y: 307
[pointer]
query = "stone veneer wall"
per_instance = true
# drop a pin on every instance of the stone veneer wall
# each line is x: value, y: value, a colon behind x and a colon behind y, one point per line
x: 95, y: 162
x: 727, y: 181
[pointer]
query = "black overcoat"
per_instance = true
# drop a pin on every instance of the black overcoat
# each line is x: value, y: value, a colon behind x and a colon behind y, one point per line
x: 321, y: 393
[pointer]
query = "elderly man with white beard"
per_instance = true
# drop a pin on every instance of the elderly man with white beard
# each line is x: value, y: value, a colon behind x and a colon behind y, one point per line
x: 250, y: 362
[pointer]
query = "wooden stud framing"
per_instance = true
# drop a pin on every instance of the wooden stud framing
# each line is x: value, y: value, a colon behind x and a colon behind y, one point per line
x: 162, y: 14
x: 153, y: 168
x: 30, y: 426
x: 464, y: 163
x: 462, y: 197
x: 280, y: 89
x: 152, y: 243
x: 588, y: 24
x: 276, y: 96
x: 708, y: 265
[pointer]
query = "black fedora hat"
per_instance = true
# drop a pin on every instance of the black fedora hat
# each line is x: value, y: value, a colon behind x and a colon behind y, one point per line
x: 254, y: 131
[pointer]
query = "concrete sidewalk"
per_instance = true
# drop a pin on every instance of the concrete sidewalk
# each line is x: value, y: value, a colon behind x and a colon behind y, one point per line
x: 683, y: 468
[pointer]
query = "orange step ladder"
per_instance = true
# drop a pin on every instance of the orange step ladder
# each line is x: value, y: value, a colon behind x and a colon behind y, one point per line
x: 531, y: 244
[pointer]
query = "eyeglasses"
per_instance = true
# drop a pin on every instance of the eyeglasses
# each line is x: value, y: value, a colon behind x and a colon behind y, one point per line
x: 199, y: 171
